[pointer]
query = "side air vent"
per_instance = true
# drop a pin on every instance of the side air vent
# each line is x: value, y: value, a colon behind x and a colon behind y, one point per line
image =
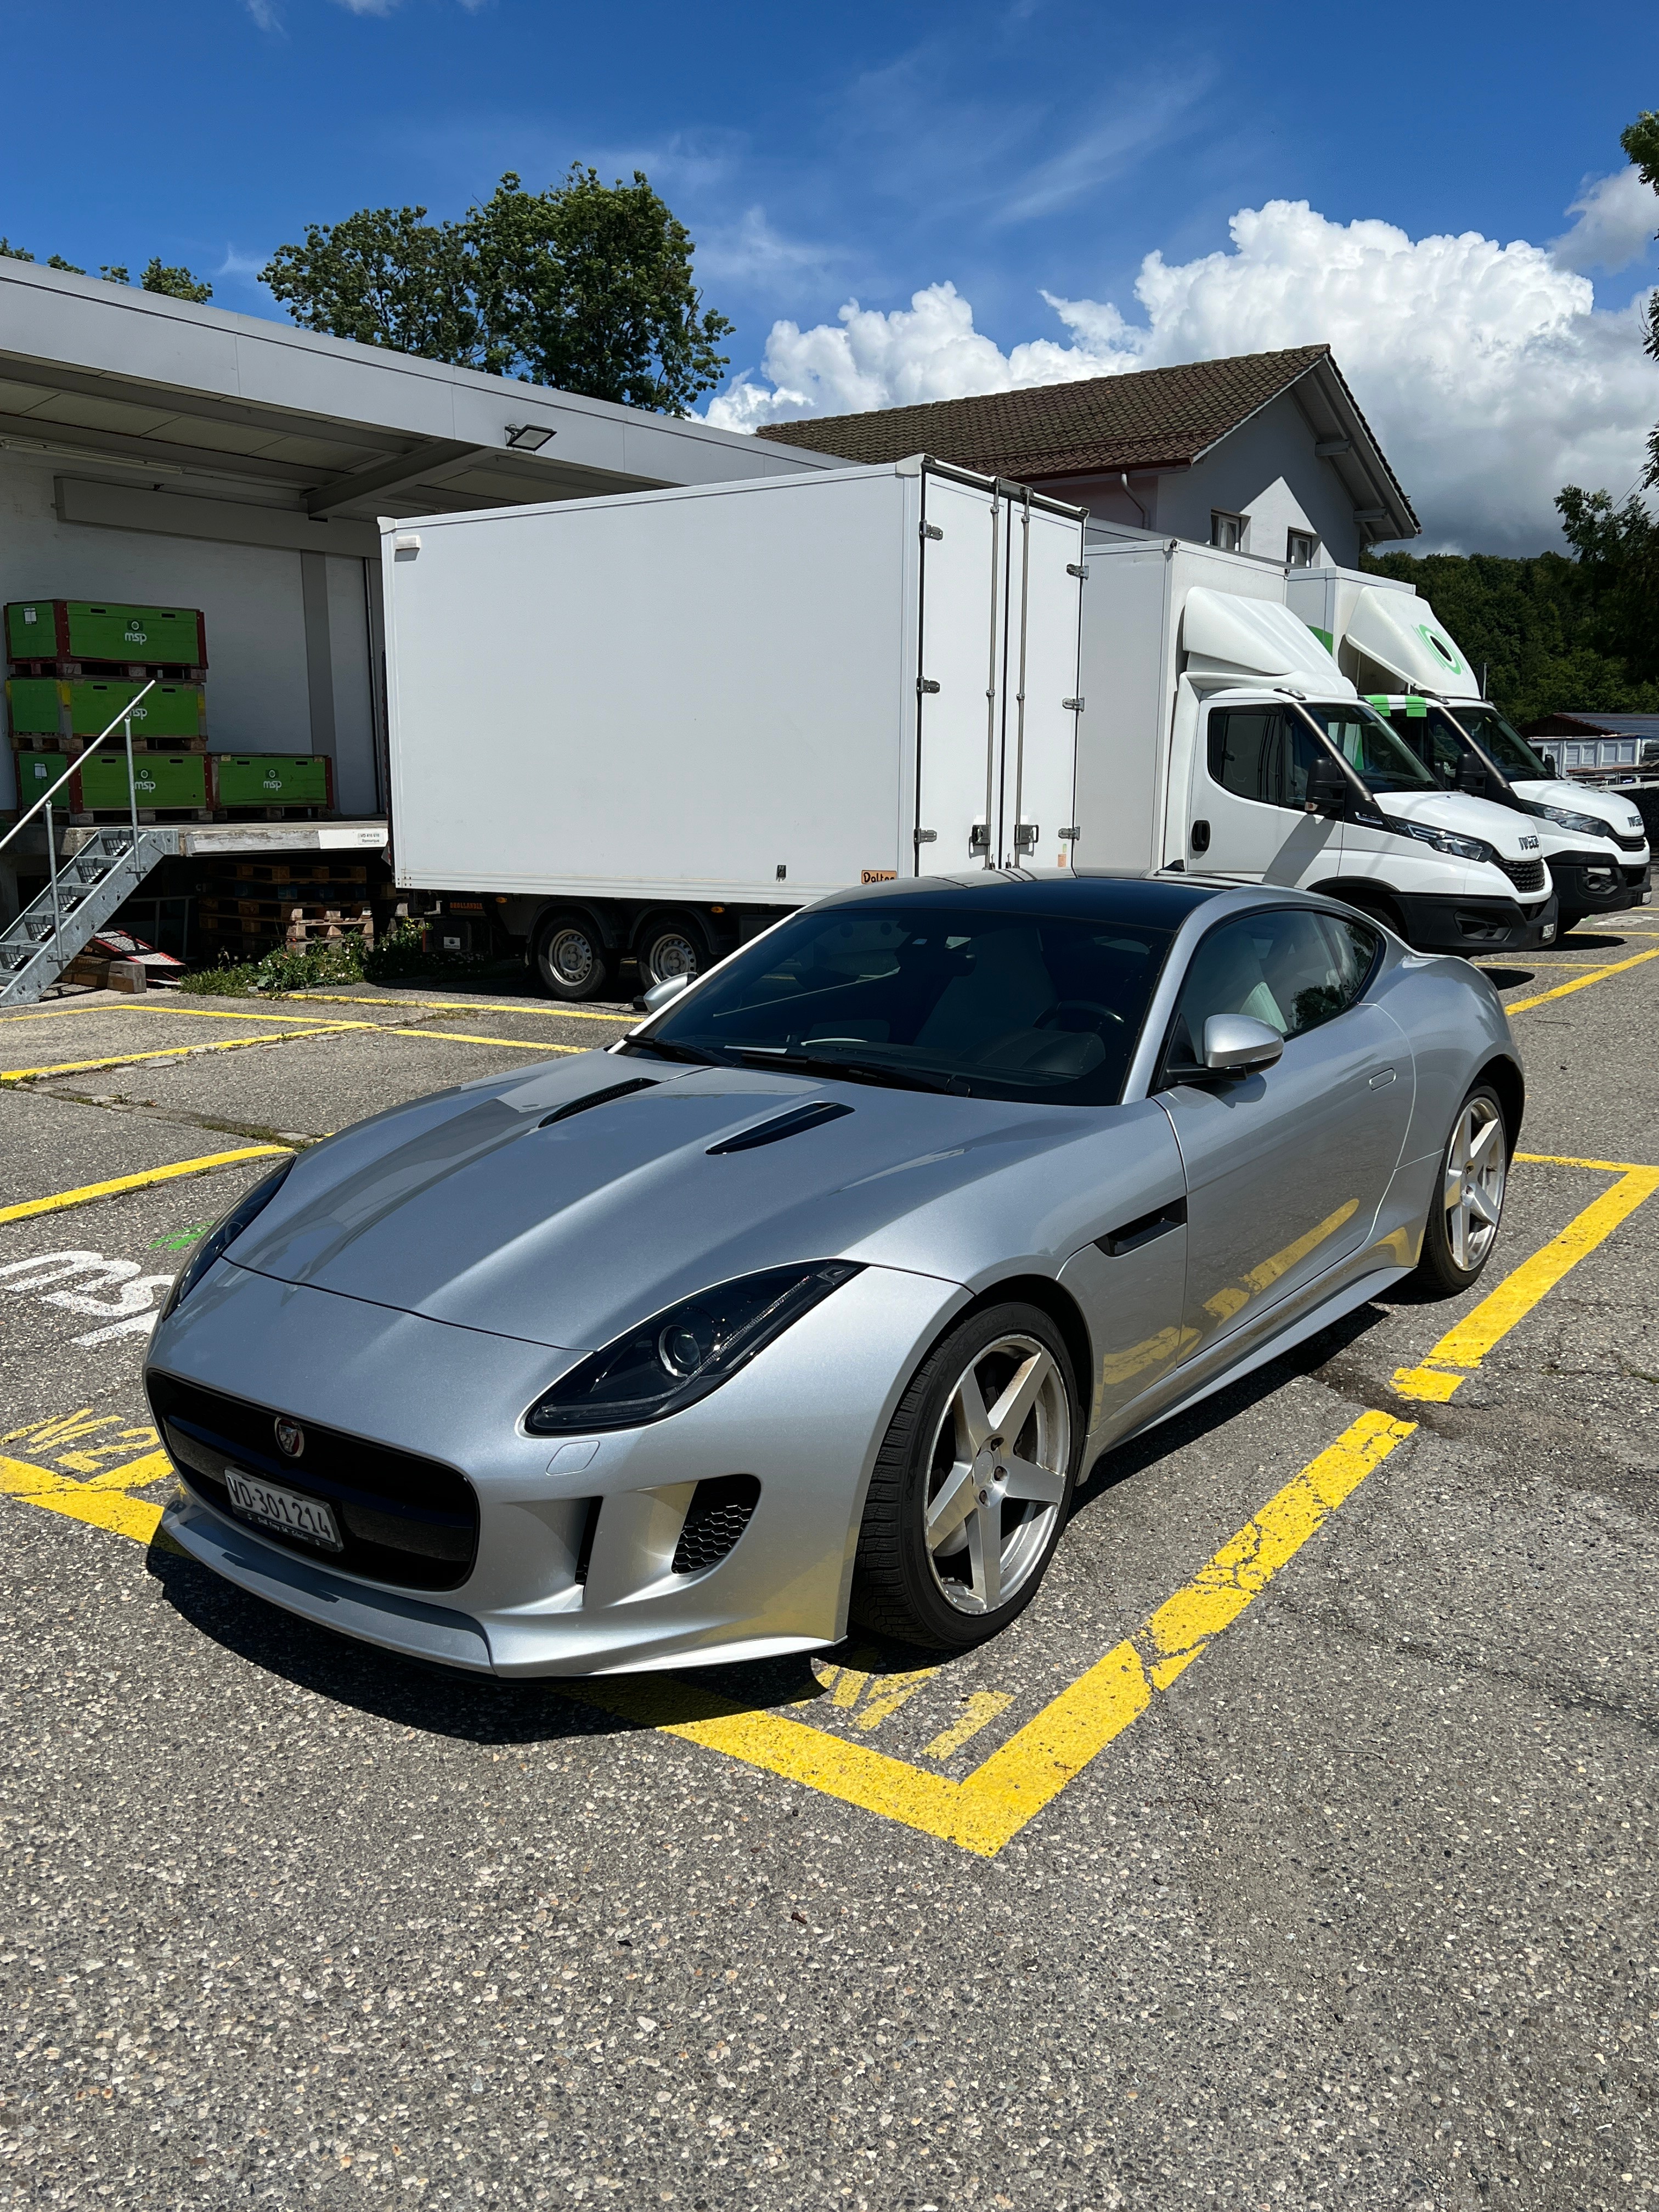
x: 597, y: 1099
x: 590, y: 1530
x: 720, y: 1512
x: 781, y: 1125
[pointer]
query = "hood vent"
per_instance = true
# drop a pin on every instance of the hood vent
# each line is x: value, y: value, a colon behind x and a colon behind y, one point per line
x: 780, y: 1126
x: 597, y: 1099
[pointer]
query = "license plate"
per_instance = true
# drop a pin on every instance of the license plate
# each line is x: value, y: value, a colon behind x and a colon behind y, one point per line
x: 286, y: 1510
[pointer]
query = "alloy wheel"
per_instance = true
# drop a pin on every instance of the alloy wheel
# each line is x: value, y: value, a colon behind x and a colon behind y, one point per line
x: 1476, y: 1170
x: 998, y: 1474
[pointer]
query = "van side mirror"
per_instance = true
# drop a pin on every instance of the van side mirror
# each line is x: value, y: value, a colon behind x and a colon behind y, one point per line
x: 1328, y: 787
x: 1472, y: 775
x: 1238, y: 1044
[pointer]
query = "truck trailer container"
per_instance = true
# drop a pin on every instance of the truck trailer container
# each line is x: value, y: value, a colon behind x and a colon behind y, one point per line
x: 646, y: 725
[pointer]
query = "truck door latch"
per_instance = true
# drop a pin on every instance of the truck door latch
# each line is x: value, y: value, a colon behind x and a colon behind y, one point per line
x: 926, y: 686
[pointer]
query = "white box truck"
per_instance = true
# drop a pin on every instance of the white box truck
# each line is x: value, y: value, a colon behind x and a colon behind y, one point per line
x: 644, y: 726
x: 1401, y: 657
x: 1220, y: 736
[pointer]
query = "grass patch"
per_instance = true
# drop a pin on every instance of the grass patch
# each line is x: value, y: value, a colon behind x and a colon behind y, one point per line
x: 400, y: 954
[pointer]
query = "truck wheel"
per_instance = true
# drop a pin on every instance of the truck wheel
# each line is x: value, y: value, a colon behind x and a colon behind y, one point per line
x: 972, y: 1485
x: 1468, y: 1200
x: 571, y: 958
x: 672, y: 944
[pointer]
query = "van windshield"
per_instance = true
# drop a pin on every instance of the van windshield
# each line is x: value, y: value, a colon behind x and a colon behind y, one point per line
x: 1501, y: 743
x: 932, y: 997
x: 1369, y: 746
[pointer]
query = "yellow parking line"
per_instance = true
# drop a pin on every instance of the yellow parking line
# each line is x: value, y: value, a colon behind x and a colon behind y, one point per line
x: 509, y: 1044
x: 1578, y: 983
x: 155, y: 1007
x: 1463, y: 1347
x: 88, y: 1191
x: 171, y: 1052
x: 465, y: 1006
x: 101, y: 1499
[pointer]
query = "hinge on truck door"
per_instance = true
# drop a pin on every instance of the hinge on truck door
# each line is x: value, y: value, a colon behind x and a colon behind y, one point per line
x: 926, y: 684
x: 1025, y: 837
x: 1071, y: 706
x: 1080, y: 569
x: 927, y: 836
x: 1070, y: 834
x: 932, y: 530
x: 979, y: 839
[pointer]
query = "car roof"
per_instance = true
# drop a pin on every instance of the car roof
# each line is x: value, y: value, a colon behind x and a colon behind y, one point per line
x: 1149, y: 901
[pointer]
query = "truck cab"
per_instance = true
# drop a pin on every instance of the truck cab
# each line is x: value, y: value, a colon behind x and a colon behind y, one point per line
x: 1291, y: 778
x: 1594, y: 841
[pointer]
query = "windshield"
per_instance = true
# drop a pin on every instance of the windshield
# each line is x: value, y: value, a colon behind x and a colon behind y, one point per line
x: 1437, y: 741
x: 1370, y: 747
x: 986, y: 1004
x: 1502, y: 744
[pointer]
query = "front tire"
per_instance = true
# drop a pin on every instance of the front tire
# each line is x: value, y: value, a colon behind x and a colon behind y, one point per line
x: 1469, y: 1202
x: 972, y: 1485
x: 571, y: 959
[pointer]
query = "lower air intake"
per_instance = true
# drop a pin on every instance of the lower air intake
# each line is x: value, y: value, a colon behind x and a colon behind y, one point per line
x: 720, y: 1512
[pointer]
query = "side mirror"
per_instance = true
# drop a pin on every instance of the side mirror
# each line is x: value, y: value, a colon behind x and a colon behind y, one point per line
x: 1238, y: 1044
x: 660, y: 993
x: 1328, y: 787
x: 1472, y: 775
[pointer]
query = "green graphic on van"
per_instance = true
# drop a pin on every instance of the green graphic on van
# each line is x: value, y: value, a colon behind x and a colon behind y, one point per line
x: 1433, y: 640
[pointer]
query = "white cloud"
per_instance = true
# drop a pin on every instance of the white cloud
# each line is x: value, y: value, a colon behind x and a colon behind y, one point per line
x: 264, y: 14
x: 1487, y: 371
x: 1617, y: 216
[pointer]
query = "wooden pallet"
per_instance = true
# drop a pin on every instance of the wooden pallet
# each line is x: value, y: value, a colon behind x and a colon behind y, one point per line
x: 299, y: 871
x: 68, y: 671
x: 31, y: 741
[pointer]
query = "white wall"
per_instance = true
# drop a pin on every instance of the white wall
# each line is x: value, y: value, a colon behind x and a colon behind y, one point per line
x: 1267, y: 472
x: 258, y: 691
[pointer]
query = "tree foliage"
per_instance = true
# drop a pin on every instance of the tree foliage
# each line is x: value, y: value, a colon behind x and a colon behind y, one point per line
x: 175, y: 281
x: 1641, y: 143
x: 586, y: 286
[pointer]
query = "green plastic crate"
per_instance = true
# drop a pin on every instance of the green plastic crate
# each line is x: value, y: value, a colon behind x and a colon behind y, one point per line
x: 162, y: 780
x: 36, y: 774
x: 272, y: 780
x: 79, y: 629
x: 171, y: 710
x: 35, y: 706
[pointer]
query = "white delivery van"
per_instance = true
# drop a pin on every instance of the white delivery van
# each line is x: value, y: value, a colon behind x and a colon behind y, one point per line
x: 1219, y: 736
x: 1399, y: 654
x: 645, y: 727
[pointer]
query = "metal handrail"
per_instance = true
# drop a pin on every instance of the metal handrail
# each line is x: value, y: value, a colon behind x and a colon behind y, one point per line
x: 46, y: 797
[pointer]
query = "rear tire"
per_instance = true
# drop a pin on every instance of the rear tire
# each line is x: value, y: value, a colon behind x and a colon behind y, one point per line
x: 572, y: 960
x: 672, y: 944
x: 1468, y: 1200
x: 972, y: 1485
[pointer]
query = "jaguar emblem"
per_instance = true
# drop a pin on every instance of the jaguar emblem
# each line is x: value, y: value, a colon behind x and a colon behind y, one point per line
x: 290, y: 1437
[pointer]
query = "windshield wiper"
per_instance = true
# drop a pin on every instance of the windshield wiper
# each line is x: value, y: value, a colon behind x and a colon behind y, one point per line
x: 858, y: 1071
x: 663, y: 1049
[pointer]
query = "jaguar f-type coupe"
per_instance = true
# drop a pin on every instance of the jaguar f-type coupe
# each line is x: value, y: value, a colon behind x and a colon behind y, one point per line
x: 810, y: 1302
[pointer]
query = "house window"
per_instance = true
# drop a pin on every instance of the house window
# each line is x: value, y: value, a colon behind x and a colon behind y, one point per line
x: 1301, y: 549
x: 1227, y: 531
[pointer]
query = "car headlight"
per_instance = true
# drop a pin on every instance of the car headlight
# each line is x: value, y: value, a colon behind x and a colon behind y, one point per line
x: 223, y: 1234
x: 684, y: 1352
x: 1445, y: 841
x: 1581, y: 825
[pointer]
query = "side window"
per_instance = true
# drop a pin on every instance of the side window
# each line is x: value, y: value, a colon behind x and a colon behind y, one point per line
x: 1302, y: 749
x: 1244, y: 752
x: 1289, y: 967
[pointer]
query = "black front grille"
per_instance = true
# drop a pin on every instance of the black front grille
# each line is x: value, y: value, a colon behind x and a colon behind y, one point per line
x: 1629, y: 844
x: 720, y: 1512
x: 403, y: 1520
x: 1525, y: 875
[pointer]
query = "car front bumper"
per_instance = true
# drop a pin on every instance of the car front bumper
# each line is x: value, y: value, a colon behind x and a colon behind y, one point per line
x: 1587, y: 885
x: 806, y: 1420
x: 1476, y: 926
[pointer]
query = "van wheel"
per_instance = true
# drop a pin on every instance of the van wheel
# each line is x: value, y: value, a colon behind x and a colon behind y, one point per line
x: 1376, y: 908
x: 1468, y: 1200
x: 972, y: 1485
x: 571, y: 959
x: 672, y: 944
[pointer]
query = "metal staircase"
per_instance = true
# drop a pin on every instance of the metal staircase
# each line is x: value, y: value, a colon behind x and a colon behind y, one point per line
x: 36, y: 948
x: 83, y: 893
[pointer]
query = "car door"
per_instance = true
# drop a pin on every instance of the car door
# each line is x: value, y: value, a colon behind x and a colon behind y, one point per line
x: 1250, y: 818
x: 1284, y: 1169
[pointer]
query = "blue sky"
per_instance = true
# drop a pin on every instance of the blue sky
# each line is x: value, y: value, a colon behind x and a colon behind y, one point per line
x: 1009, y: 151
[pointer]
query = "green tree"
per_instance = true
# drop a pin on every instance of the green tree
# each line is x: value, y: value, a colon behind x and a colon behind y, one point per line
x: 1617, y: 577
x: 384, y: 277
x: 10, y: 252
x: 177, y: 283
x: 585, y: 286
x: 1641, y: 143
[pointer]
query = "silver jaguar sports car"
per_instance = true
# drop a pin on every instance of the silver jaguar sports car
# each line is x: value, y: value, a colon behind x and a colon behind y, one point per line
x: 810, y: 1303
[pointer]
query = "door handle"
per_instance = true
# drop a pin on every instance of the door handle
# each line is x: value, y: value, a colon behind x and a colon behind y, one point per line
x: 1134, y: 1234
x: 1382, y: 1075
x: 1201, y: 836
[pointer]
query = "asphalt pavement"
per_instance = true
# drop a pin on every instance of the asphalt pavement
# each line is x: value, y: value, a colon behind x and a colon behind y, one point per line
x: 1294, y: 1848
